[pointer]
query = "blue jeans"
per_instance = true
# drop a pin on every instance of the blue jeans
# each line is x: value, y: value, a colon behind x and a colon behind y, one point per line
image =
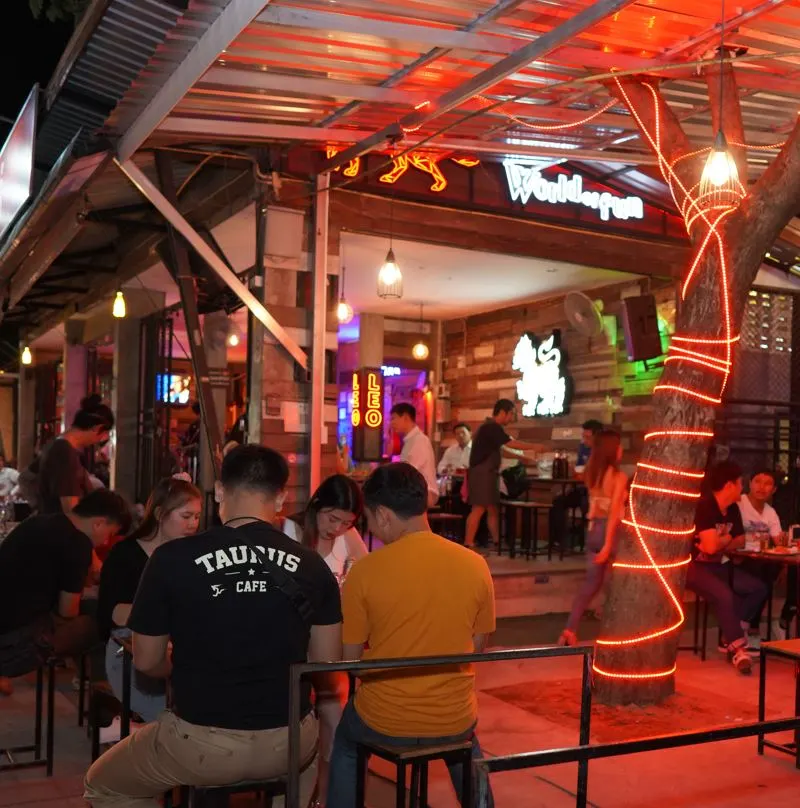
x: 148, y: 695
x: 352, y: 730
x: 595, y: 574
x: 711, y: 580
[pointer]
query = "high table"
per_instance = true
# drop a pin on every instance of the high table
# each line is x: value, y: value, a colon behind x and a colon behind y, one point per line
x: 771, y: 557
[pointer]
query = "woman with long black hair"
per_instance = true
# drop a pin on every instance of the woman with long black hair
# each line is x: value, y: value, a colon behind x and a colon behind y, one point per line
x: 328, y: 526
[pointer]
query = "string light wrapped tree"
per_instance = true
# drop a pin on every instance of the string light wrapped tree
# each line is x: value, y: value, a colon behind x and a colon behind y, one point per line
x: 731, y: 226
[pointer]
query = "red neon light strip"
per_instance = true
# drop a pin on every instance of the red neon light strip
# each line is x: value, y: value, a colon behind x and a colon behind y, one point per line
x: 697, y: 475
x: 688, y: 392
x: 626, y: 566
x: 673, y: 492
x: 663, y: 531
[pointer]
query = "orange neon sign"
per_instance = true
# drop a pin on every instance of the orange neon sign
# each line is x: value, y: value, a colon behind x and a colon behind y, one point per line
x: 367, y: 414
x: 422, y: 161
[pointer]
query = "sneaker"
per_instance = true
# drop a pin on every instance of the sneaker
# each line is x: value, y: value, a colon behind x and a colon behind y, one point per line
x: 741, y: 661
x: 113, y: 732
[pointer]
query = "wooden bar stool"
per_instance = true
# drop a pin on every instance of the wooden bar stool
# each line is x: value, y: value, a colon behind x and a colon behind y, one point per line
x: 207, y: 796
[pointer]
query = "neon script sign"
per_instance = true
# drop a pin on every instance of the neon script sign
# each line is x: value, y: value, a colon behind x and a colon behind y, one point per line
x: 525, y: 180
x: 366, y: 416
x: 543, y: 388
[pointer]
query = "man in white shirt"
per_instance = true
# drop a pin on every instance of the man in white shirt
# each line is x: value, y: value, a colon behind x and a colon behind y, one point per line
x: 759, y: 517
x: 417, y: 449
x: 456, y: 457
x: 8, y: 478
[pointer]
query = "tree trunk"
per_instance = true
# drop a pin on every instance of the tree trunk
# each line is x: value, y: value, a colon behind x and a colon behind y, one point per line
x: 643, y: 616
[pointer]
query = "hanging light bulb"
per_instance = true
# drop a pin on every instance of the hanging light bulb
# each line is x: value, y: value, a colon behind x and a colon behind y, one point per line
x: 27, y: 357
x: 420, y: 351
x: 720, y: 167
x: 390, y: 279
x: 344, y: 311
x: 118, y: 309
x: 233, y: 339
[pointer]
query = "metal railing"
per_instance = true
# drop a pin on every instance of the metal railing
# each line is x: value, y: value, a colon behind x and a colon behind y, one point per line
x: 583, y: 753
x: 300, y: 670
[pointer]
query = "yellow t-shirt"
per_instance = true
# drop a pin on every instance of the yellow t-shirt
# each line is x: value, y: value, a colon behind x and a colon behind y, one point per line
x: 419, y: 596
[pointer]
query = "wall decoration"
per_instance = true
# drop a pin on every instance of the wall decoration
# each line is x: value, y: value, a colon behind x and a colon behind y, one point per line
x: 544, y: 388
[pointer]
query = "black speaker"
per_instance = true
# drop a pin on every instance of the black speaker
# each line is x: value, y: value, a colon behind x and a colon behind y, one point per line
x: 640, y: 322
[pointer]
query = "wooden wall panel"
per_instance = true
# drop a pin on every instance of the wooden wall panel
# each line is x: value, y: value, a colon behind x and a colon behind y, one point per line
x: 479, y: 350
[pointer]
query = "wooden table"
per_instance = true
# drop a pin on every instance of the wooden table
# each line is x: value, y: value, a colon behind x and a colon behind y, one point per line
x: 788, y: 650
x: 784, y: 559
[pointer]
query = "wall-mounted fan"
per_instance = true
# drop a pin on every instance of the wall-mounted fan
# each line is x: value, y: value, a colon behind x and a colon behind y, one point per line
x: 584, y: 314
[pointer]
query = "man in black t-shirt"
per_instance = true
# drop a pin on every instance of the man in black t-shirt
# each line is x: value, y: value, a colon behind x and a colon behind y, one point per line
x: 240, y: 603
x: 491, y: 441
x: 719, y: 530
x: 44, y: 564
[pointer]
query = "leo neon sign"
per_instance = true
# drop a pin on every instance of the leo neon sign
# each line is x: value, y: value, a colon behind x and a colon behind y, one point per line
x: 543, y: 388
x: 525, y: 180
x: 367, y: 414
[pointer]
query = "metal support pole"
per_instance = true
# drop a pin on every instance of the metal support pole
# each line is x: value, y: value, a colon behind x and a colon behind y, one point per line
x: 255, y: 330
x: 584, y: 736
x: 318, y: 328
x: 178, y: 264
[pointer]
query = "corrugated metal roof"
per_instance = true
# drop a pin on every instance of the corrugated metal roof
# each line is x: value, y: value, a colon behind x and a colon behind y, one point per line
x: 124, y: 40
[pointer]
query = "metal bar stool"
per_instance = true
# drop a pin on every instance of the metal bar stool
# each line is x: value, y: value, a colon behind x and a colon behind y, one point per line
x: 36, y: 747
x: 418, y: 758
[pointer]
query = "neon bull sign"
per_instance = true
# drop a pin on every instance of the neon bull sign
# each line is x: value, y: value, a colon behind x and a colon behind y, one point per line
x: 525, y: 180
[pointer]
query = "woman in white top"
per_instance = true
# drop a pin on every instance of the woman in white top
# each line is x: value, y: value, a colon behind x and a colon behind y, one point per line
x: 607, y: 486
x: 329, y: 528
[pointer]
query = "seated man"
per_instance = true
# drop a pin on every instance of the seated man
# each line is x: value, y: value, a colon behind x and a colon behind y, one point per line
x: 719, y: 530
x: 760, y: 518
x: 44, y: 565
x: 240, y: 603
x: 455, y: 459
x: 421, y: 595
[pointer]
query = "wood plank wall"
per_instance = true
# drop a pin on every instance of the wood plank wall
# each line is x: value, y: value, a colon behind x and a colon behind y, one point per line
x: 478, y: 353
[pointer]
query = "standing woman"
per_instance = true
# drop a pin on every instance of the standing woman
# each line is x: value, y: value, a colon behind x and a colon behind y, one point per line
x: 607, y: 486
x: 172, y: 512
x: 329, y: 528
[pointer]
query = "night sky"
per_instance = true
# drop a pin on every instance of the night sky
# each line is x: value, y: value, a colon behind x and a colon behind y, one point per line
x: 31, y: 51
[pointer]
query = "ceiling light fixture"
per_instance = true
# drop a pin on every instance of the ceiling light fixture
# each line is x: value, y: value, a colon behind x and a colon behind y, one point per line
x: 390, y: 278
x: 420, y: 351
x: 344, y: 311
x: 118, y: 310
x: 26, y: 357
x: 719, y: 182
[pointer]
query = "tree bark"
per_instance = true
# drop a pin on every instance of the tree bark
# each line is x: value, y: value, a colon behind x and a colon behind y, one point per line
x: 640, y: 603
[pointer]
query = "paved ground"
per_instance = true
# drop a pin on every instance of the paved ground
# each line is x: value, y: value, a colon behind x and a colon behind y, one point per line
x: 526, y: 706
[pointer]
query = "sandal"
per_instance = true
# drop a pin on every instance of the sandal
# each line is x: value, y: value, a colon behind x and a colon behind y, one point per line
x: 567, y: 638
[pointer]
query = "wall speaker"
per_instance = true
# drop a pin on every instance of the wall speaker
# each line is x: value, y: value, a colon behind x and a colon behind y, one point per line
x: 640, y: 323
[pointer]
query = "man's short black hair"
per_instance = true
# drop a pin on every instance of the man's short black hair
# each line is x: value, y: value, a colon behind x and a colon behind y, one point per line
x: 768, y: 472
x: 461, y: 425
x: 503, y: 405
x: 722, y: 473
x: 403, y: 408
x: 105, y: 504
x: 398, y: 487
x: 256, y: 468
x: 592, y: 425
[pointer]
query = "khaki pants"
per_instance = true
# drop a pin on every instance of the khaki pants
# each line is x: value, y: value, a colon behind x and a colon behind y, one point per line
x: 172, y: 752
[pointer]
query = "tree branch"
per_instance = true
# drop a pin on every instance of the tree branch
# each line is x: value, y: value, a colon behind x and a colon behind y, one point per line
x: 724, y: 95
x: 778, y: 190
x: 674, y: 143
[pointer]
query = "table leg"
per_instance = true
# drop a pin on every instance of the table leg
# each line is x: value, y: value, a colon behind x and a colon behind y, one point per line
x: 762, y: 697
x: 125, y: 717
x: 797, y: 713
x: 769, y: 611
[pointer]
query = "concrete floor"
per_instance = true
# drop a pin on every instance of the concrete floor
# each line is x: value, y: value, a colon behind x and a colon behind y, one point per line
x: 526, y: 706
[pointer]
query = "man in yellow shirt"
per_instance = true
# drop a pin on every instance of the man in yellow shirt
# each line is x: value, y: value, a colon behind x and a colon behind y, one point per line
x: 420, y: 595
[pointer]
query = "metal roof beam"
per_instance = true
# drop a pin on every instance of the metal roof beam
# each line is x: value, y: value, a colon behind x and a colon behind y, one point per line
x: 486, y: 78
x: 233, y: 19
x: 259, y: 132
x: 173, y: 216
x: 384, y: 29
x: 303, y: 85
